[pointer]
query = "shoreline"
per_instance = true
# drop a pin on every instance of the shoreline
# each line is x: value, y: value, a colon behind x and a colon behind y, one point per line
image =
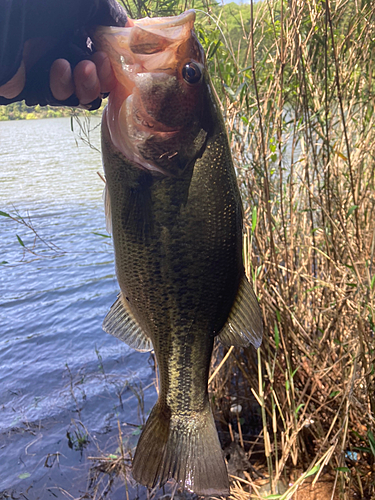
x: 19, y: 111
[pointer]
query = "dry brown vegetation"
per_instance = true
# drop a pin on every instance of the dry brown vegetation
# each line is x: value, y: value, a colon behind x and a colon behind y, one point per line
x: 300, y: 111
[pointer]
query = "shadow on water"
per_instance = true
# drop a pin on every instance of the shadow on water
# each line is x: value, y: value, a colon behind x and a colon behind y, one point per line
x: 66, y: 386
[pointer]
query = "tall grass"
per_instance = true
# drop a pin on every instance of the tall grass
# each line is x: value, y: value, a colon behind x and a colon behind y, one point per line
x: 298, y: 96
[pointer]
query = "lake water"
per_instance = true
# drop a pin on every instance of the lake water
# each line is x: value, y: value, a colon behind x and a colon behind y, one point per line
x: 61, y: 376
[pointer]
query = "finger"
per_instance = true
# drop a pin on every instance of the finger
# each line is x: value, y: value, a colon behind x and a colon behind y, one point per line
x: 61, y: 80
x: 87, y: 85
x: 105, y: 72
x: 15, y: 85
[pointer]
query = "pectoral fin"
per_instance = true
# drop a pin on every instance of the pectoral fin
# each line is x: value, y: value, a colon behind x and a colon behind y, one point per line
x: 121, y: 323
x: 244, y: 325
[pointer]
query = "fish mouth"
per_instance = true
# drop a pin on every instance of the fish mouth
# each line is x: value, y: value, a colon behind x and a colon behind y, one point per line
x: 146, y: 36
x: 152, y: 50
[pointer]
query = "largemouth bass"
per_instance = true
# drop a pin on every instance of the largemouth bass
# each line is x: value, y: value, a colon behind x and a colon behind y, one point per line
x: 175, y: 213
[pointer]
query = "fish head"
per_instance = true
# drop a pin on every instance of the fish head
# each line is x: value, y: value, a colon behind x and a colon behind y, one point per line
x: 156, y: 114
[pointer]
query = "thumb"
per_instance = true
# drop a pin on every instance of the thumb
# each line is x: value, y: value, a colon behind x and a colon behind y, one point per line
x: 15, y: 85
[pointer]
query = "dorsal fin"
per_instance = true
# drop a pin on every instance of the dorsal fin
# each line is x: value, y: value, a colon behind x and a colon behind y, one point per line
x: 107, y: 209
x: 121, y: 323
x: 244, y: 325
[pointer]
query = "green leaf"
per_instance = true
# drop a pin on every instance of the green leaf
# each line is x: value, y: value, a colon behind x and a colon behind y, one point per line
x: 3, y: 262
x: 254, y: 219
x: 103, y: 235
x: 229, y: 90
x: 371, y: 441
x: 113, y: 457
x: 334, y: 393
x: 362, y: 448
x: 277, y: 336
x: 295, y: 371
x: 358, y: 435
x: 212, y: 52
x: 4, y: 214
x: 313, y: 471
x: 239, y: 90
x: 351, y: 210
x: 313, y: 288
x: 299, y: 407
x: 343, y: 469
x: 20, y: 241
x: 24, y: 475
x: 372, y: 282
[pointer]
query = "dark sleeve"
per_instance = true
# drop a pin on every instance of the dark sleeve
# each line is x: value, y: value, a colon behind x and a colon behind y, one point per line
x: 63, y: 22
x: 12, y: 37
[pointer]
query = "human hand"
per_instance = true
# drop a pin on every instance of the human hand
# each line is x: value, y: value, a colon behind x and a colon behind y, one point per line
x: 87, y: 81
x: 57, y: 72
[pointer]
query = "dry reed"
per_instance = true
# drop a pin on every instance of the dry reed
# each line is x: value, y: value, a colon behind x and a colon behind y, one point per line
x: 299, y: 108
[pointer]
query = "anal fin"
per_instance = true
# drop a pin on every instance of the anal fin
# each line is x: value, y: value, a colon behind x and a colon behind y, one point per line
x: 121, y: 323
x: 244, y: 325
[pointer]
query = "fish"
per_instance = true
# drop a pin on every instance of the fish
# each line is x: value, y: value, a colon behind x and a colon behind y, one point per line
x: 174, y: 209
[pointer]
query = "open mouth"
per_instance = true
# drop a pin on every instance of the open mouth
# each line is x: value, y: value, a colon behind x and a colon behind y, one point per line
x: 146, y: 59
x: 150, y: 45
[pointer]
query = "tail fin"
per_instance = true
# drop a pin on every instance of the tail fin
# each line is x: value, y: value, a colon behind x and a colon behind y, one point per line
x: 186, y: 449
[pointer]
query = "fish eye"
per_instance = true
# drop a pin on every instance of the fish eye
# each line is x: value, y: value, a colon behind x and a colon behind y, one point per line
x: 191, y: 73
